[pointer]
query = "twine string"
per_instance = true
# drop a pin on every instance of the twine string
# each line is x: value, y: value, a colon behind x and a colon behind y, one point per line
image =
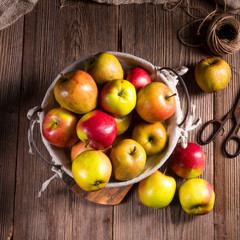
x: 218, y: 31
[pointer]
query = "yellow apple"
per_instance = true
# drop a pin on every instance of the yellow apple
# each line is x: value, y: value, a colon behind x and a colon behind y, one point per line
x: 152, y: 136
x: 123, y: 123
x: 91, y: 170
x: 212, y: 74
x: 128, y: 159
x: 157, y: 190
x: 196, y: 196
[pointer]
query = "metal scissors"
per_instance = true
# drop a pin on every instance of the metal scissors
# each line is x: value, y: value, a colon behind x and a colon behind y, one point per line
x: 233, y: 114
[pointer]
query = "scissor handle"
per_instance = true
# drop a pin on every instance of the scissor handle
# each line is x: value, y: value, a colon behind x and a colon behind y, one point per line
x: 232, y: 137
x: 214, y: 133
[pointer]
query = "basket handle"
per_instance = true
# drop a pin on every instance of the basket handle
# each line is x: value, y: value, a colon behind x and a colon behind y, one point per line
x: 185, y: 90
x: 32, y: 141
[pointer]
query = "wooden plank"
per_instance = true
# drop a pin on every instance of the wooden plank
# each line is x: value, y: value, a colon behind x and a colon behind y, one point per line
x: 227, y: 182
x: 54, y: 38
x: 11, y: 43
x: 150, y: 32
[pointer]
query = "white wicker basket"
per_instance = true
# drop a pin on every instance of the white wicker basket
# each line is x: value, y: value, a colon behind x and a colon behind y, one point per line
x: 61, y: 156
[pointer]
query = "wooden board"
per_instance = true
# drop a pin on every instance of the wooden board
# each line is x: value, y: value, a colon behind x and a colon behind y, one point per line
x: 105, y: 196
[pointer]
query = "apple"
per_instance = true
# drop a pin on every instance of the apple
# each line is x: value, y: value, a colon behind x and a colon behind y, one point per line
x: 155, y: 102
x: 97, y: 128
x: 196, y: 196
x: 81, y: 147
x: 138, y: 77
x: 152, y: 136
x: 123, y: 123
x: 104, y: 67
x: 91, y: 170
x: 77, y: 92
x: 188, y: 162
x: 118, y: 97
x: 157, y: 190
x: 59, y: 127
x: 128, y: 159
x: 212, y: 74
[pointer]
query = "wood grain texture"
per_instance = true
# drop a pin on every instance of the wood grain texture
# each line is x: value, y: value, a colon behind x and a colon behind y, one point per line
x: 53, y: 38
x: 11, y: 43
x: 105, y: 196
x: 32, y: 52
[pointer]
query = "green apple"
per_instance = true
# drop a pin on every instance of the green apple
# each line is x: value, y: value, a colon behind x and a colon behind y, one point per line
x: 104, y: 67
x: 152, y: 136
x: 212, y: 74
x: 76, y: 91
x: 157, y: 190
x: 118, y: 97
x: 196, y: 196
x: 123, y: 123
x: 91, y: 170
x: 128, y: 159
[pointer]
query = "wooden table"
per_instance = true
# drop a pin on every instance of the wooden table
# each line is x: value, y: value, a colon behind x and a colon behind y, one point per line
x: 32, y: 52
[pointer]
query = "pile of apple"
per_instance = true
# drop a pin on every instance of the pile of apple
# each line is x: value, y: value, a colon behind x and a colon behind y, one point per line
x: 110, y: 124
x: 196, y: 195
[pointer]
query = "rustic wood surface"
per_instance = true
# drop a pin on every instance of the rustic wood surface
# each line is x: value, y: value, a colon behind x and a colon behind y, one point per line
x: 32, y: 52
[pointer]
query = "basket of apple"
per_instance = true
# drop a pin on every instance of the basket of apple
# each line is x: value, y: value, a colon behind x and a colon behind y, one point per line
x: 111, y: 119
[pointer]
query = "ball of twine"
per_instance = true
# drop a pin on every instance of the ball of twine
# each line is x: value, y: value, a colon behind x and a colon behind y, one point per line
x: 223, y: 35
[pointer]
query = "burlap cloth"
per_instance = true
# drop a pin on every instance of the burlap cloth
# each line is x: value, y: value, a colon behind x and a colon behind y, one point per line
x: 11, y: 10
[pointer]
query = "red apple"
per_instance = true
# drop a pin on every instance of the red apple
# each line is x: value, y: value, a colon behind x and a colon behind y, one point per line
x: 77, y: 92
x: 138, y: 77
x: 59, y: 127
x: 97, y: 128
x: 155, y: 102
x: 188, y: 162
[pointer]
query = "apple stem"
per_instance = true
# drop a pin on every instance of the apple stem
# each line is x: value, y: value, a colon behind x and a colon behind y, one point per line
x: 165, y: 171
x: 87, y: 143
x: 134, y: 149
x: 167, y: 97
x: 206, y: 60
x: 64, y: 76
